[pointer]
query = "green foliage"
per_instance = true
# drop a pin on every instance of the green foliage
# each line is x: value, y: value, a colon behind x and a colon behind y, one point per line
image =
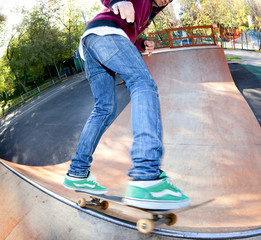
x: 254, y: 7
x: 164, y: 20
x: 69, y: 19
x: 6, y: 87
x: 35, y: 45
x: 190, y: 12
x: 48, y: 34
x: 2, y: 23
x: 2, y: 18
x: 227, y: 13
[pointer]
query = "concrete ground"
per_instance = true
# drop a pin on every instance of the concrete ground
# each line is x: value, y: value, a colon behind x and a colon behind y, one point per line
x: 248, y: 57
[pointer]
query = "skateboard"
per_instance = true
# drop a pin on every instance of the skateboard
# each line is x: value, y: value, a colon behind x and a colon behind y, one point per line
x: 144, y: 225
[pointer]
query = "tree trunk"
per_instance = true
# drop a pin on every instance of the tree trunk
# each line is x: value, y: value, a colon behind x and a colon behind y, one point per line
x: 23, y: 86
x: 19, y: 81
x: 49, y: 71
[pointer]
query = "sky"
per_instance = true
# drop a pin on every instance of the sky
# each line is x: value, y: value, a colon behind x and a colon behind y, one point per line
x: 176, y: 6
x: 7, y: 7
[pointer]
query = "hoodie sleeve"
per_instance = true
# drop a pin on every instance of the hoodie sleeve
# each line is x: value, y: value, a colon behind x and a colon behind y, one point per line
x: 109, y: 3
x: 140, y: 44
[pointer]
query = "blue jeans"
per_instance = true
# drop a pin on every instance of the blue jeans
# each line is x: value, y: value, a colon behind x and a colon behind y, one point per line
x: 105, y: 56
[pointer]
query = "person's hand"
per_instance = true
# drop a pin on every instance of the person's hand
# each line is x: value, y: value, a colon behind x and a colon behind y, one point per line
x: 125, y: 9
x: 149, y: 46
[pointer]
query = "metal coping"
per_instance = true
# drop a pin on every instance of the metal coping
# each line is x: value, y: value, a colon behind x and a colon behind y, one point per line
x: 123, y: 223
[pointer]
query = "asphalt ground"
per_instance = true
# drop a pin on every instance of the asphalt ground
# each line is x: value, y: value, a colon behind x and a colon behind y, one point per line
x: 46, y: 130
x: 246, y: 74
x: 249, y: 84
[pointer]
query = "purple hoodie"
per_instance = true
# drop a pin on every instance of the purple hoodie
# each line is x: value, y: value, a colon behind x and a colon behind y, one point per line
x: 143, y: 16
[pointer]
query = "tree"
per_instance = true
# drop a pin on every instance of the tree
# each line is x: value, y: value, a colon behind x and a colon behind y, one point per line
x: 10, y: 61
x: 2, y: 19
x: 69, y: 19
x: 2, y: 24
x: 35, y: 44
x: 255, y: 12
x: 227, y: 13
x: 164, y: 20
x: 6, y: 87
x: 190, y: 11
x: 48, y: 34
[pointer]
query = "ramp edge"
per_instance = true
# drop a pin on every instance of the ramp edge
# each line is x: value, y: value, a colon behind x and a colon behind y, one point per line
x: 123, y: 223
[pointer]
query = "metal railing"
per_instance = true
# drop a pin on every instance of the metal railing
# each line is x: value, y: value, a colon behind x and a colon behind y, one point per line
x: 187, y: 37
x: 207, y: 36
x: 25, y: 97
x: 241, y: 39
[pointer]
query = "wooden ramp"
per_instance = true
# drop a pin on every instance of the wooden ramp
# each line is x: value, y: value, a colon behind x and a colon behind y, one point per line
x: 212, y: 145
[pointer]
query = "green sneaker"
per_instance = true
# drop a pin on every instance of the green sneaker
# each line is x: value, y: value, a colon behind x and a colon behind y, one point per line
x: 88, y: 185
x: 158, y: 194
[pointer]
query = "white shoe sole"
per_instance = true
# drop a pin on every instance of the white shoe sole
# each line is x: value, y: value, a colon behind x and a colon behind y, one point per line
x: 88, y: 191
x: 156, y: 205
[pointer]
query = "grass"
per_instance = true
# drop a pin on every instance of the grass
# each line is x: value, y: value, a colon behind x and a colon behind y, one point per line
x: 233, y: 58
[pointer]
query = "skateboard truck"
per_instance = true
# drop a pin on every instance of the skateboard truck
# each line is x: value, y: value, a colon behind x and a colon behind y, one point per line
x: 144, y: 225
x: 94, y: 201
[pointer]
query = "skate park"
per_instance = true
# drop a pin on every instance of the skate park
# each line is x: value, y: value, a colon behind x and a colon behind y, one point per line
x: 212, y: 144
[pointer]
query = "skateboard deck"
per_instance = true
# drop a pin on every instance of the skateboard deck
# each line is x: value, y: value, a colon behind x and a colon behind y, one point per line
x: 146, y: 226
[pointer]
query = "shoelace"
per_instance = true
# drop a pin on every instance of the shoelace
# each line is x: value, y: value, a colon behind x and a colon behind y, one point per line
x: 170, y: 182
x: 93, y: 179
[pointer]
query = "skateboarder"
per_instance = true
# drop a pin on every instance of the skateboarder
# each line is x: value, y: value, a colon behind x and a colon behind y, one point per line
x: 109, y: 45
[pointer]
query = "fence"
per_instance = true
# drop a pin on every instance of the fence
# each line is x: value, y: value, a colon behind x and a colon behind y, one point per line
x: 207, y: 36
x: 25, y: 97
x: 187, y: 37
x: 242, y: 39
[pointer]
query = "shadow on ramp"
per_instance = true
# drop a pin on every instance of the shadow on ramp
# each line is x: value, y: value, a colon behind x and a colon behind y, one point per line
x: 212, y: 149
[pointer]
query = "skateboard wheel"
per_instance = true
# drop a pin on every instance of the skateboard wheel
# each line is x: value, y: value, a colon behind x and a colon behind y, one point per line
x: 104, y: 205
x: 145, y: 226
x: 170, y: 219
x: 81, y: 202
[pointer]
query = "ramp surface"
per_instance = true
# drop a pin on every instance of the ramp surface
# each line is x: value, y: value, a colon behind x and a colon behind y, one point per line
x: 212, y: 144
